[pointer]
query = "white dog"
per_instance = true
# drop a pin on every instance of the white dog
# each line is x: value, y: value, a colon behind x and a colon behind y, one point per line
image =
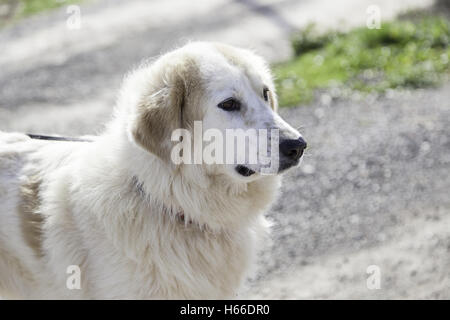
x: 118, y: 213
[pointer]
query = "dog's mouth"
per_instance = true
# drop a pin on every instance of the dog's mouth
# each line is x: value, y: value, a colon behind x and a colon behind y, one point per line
x: 244, y: 171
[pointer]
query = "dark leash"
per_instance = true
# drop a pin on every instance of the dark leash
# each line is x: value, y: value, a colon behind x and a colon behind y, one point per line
x: 53, y: 138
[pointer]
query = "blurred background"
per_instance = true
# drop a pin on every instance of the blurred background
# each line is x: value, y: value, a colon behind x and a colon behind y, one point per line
x: 367, y: 215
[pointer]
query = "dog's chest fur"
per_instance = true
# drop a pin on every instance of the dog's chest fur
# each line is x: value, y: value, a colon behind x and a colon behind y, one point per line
x: 126, y: 245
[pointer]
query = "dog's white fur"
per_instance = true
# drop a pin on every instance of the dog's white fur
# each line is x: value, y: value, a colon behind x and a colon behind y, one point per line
x: 113, y: 206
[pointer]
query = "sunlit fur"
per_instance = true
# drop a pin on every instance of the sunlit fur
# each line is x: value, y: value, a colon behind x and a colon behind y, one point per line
x: 113, y: 206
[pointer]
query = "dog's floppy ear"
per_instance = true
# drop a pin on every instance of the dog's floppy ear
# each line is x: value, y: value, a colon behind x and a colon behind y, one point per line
x: 159, y: 111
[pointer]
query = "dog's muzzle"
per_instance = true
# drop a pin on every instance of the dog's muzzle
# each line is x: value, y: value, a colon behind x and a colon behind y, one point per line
x: 291, y: 150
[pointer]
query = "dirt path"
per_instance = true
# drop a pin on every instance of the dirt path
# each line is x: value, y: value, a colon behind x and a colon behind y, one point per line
x: 372, y: 191
x: 413, y: 265
x: 44, y: 63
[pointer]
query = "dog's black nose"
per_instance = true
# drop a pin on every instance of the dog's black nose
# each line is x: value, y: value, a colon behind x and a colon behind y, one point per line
x: 293, y: 148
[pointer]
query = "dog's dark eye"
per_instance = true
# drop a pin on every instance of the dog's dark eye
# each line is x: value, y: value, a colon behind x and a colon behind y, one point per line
x: 230, y: 104
x: 265, y: 94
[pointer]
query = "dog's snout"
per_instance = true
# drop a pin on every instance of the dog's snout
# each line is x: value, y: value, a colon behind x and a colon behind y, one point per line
x: 293, y: 148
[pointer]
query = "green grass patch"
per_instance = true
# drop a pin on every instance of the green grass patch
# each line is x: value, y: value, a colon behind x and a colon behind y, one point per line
x: 403, y: 53
x: 35, y: 6
x: 13, y: 10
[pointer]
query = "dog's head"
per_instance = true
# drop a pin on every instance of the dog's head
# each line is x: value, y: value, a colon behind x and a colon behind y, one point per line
x: 220, y: 97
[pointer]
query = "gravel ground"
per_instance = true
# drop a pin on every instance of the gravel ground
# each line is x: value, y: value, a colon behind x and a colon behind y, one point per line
x: 44, y: 63
x: 372, y: 190
x: 373, y: 187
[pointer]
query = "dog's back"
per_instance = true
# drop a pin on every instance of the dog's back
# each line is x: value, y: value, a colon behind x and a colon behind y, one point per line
x: 15, y: 271
x: 24, y: 162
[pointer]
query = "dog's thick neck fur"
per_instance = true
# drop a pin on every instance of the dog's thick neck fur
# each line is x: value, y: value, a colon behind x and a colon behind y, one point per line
x: 189, y: 189
x: 141, y: 223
